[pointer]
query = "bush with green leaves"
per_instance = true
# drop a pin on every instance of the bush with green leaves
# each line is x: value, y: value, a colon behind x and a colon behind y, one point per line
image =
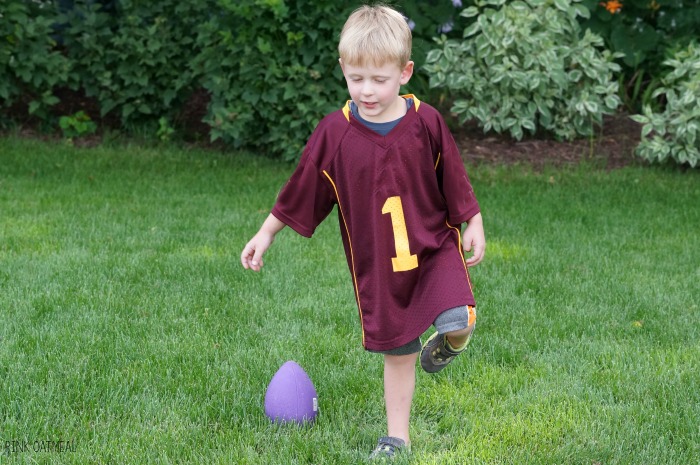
x: 272, y: 80
x: 30, y: 65
x: 269, y: 66
x: 524, y: 65
x: 644, y: 31
x: 77, y: 125
x: 674, y: 133
x: 134, y: 57
x: 427, y: 19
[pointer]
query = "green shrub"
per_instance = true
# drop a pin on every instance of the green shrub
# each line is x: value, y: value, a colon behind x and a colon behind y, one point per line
x: 77, y: 125
x: 269, y: 66
x: 30, y: 65
x: 523, y: 65
x: 135, y: 59
x: 272, y: 80
x: 427, y: 19
x: 675, y: 132
x: 644, y: 31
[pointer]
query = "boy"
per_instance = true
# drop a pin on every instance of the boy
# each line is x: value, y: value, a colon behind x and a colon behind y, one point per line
x: 391, y: 165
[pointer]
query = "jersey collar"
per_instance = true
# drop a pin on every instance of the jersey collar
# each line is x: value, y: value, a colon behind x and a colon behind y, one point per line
x: 416, y: 104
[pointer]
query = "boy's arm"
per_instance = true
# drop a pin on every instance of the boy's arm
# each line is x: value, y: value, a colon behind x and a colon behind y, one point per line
x: 251, y: 257
x: 474, y: 240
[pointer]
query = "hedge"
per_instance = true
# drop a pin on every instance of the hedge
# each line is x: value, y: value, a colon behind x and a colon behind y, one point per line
x: 267, y: 69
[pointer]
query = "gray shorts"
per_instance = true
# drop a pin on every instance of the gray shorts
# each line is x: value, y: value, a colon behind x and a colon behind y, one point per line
x: 453, y: 319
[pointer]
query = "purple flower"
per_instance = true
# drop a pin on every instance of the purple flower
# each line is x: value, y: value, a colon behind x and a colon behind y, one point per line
x: 445, y: 28
x: 457, y: 3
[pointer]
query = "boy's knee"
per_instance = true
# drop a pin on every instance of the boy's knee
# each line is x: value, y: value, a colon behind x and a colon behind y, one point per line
x: 456, y: 320
x: 470, y: 321
x: 400, y: 360
x: 461, y: 332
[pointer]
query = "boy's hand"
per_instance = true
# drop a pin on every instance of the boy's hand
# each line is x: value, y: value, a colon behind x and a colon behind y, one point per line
x: 251, y: 257
x: 473, y: 240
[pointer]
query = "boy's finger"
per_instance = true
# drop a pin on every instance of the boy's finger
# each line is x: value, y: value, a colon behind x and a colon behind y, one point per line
x: 468, y: 246
x: 478, y: 255
x: 257, y: 261
x: 244, y: 257
x: 248, y: 257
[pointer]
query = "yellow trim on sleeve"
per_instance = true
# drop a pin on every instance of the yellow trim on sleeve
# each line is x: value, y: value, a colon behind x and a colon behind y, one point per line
x: 437, y: 161
x: 352, y: 255
x: 461, y: 253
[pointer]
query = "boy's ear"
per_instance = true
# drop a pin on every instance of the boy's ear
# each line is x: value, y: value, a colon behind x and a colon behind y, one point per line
x: 406, y: 73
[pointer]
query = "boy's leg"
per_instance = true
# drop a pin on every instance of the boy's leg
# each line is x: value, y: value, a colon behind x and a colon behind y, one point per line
x: 399, y: 384
x: 457, y: 339
x: 454, y: 329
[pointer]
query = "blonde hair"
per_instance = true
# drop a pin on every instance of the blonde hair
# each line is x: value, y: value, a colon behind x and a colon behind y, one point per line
x: 375, y: 35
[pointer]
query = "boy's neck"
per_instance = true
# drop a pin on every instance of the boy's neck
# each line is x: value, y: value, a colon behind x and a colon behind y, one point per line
x: 398, y: 110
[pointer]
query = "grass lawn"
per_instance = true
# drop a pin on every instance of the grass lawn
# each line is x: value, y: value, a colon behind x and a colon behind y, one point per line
x: 129, y: 330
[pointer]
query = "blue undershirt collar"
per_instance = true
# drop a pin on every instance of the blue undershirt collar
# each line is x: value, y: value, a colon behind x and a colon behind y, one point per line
x: 381, y: 128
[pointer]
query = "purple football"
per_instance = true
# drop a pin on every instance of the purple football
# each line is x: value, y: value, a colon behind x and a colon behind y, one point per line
x: 291, y: 396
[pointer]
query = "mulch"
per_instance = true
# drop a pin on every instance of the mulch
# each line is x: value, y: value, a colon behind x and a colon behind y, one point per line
x: 612, y: 147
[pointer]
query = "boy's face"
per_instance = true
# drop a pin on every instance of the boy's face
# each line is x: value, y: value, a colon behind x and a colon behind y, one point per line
x: 375, y: 89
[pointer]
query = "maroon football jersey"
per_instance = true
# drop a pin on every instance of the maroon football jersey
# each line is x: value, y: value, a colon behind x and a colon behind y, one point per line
x: 401, y: 199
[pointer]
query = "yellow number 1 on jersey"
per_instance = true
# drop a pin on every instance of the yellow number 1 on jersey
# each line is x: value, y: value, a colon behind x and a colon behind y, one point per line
x: 404, y: 260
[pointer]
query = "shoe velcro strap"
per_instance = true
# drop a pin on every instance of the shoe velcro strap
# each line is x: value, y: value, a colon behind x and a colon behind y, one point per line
x: 391, y: 443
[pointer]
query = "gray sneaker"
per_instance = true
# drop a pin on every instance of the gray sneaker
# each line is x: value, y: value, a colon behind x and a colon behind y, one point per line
x: 388, y: 447
x: 435, y: 355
